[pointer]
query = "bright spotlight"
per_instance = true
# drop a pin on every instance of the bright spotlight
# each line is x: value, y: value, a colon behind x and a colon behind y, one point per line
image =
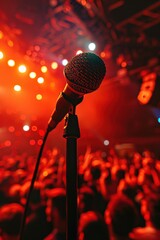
x: 54, y: 65
x: 17, y: 88
x: 22, y: 69
x: 32, y: 74
x: 64, y: 62
x: 106, y: 142
x: 26, y: 128
x: 11, y: 63
x: 92, y: 46
x: 44, y: 69
x: 40, y: 80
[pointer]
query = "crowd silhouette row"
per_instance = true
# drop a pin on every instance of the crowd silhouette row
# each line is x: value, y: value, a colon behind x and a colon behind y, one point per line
x: 118, y: 197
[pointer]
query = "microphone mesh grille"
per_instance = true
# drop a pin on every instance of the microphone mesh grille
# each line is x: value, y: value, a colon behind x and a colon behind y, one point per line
x: 85, y: 72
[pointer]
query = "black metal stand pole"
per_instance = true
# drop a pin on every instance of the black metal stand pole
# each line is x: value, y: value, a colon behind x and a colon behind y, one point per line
x: 71, y: 133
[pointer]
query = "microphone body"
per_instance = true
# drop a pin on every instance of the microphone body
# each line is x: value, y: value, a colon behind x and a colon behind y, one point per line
x: 66, y: 99
x: 84, y: 74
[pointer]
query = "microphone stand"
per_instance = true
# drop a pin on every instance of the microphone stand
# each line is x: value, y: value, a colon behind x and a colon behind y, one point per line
x: 71, y: 133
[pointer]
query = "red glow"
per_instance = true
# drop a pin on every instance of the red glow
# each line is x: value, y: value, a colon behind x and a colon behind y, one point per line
x: 32, y: 142
x: 34, y: 128
x: 41, y: 132
x: 10, y: 43
x: 22, y: 116
x: 124, y: 64
x: 11, y: 129
x: 7, y: 143
x: 39, y: 142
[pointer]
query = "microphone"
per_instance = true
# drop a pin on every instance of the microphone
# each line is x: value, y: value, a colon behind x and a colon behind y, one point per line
x: 84, y: 74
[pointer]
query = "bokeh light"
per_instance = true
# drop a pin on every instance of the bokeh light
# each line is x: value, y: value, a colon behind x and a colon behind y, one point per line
x: 26, y: 128
x: 17, y: 88
x: 11, y: 129
x: 11, y: 63
x: 44, y: 69
x: 39, y: 97
x: 92, y: 46
x: 41, y: 132
x: 32, y: 142
x: 64, y: 62
x: 34, y: 128
x: 106, y: 142
x: 54, y: 65
x: 39, y: 142
x: 40, y: 80
x: 22, y: 68
x: 7, y: 143
x: 32, y: 74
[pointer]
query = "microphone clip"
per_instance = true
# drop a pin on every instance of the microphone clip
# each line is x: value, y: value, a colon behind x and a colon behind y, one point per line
x: 73, y: 101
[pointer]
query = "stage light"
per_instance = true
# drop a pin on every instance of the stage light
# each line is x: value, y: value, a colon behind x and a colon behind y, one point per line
x: 159, y: 119
x: 54, y: 65
x: 44, y: 69
x: 26, y: 128
x: 106, y: 142
x: 32, y: 75
x: 92, y: 46
x: 64, y: 62
x: 39, y: 97
x: 40, y: 80
x: 1, y: 55
x: 22, y: 69
x: 17, y: 88
x: 11, y: 63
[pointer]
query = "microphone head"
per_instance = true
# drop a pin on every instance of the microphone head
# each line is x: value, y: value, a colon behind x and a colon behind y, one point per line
x: 85, y: 72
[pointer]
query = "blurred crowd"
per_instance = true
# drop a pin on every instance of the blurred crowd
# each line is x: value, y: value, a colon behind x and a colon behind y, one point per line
x: 118, y: 197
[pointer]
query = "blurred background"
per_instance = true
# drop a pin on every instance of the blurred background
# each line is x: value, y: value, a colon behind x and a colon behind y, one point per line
x: 38, y: 38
